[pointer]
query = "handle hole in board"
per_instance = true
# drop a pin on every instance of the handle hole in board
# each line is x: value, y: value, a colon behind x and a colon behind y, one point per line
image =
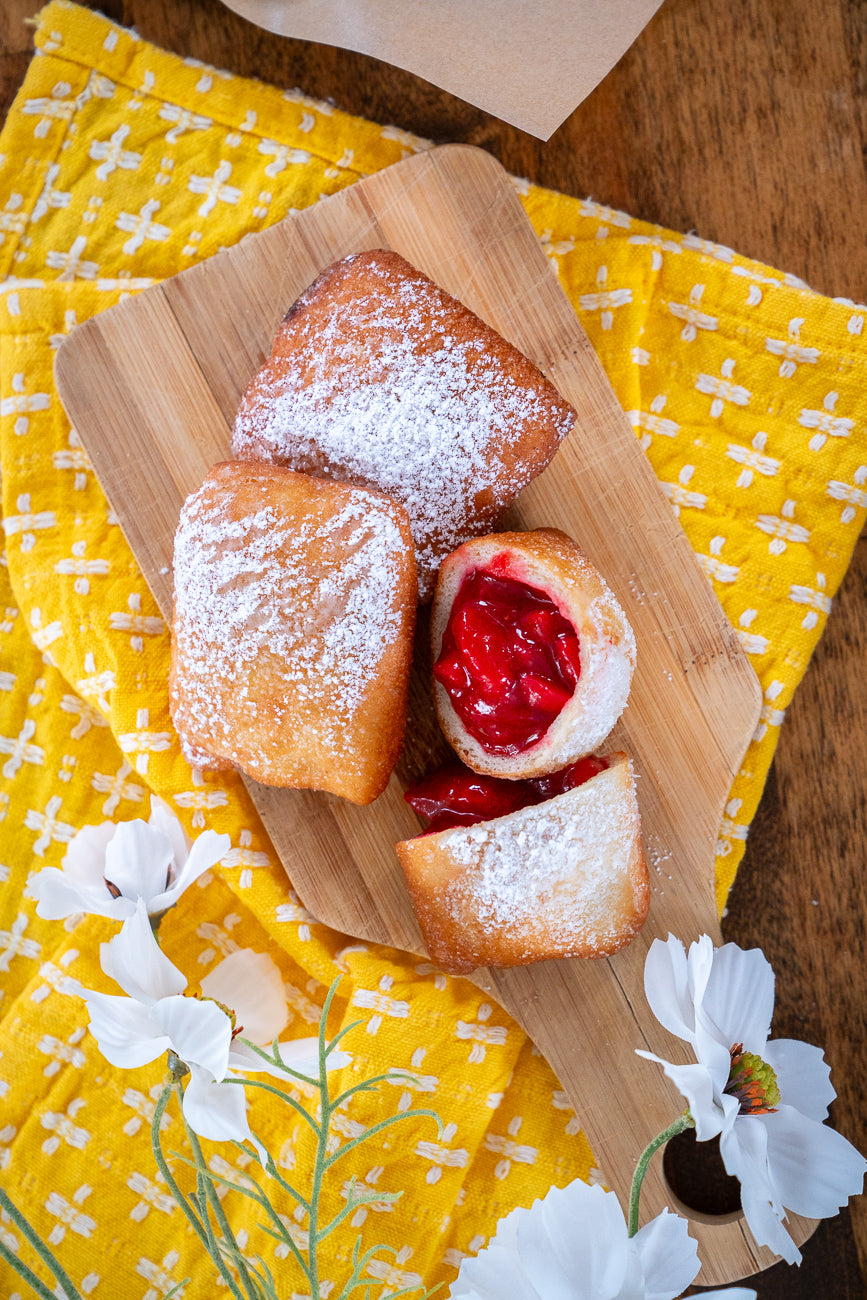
x: 697, y: 1180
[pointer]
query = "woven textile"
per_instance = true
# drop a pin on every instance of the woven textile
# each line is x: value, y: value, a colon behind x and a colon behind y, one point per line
x: 122, y: 165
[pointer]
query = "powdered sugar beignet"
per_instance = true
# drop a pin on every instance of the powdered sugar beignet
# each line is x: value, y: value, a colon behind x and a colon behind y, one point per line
x: 292, y: 630
x: 564, y: 878
x: 379, y: 377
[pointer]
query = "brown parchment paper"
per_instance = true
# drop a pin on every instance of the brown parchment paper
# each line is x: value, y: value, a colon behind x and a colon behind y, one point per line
x: 529, y: 62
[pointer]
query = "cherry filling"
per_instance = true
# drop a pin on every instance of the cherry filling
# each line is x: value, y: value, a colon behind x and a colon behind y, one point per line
x: 509, y: 660
x: 455, y: 796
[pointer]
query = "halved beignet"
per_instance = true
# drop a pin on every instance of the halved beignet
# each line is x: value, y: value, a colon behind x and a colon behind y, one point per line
x: 379, y: 377
x: 563, y: 878
x: 533, y: 655
x: 292, y: 632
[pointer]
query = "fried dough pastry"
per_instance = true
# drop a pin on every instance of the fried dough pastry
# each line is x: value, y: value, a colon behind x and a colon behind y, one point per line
x: 562, y: 878
x: 292, y: 631
x: 378, y: 377
x: 533, y: 654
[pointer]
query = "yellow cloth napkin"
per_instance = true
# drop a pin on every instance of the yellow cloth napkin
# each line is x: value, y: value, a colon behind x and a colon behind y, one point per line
x: 122, y: 164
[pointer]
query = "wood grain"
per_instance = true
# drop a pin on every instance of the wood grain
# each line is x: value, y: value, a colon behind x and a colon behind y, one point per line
x: 745, y: 120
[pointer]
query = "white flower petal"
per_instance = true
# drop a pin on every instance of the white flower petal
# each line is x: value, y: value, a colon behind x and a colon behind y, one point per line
x: 566, y: 1237
x: 250, y: 984
x: 713, y: 1051
x: 206, y: 852
x: 667, y: 987
x: 494, y: 1274
x: 542, y: 1271
x: 571, y: 1245
x: 134, y: 959
x: 744, y: 1150
x: 668, y: 1255
x: 497, y: 1272
x: 766, y: 1225
x: 335, y: 1060
x: 217, y: 1111
x: 137, y: 860
x: 199, y: 1030
x: 815, y: 1169
x: 150, y: 859
x: 243, y: 1059
x: 60, y: 895
x: 164, y: 820
x: 124, y: 1030
x: 710, y: 1111
x: 739, y: 997
x: 587, y: 1237
x: 85, y: 853
x: 730, y: 1293
x: 786, y: 1159
x: 300, y: 1054
x: 803, y: 1075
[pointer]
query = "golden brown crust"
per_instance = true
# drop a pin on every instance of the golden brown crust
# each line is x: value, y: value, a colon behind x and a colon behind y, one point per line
x: 292, y: 630
x: 566, y: 878
x: 548, y: 560
x: 379, y: 377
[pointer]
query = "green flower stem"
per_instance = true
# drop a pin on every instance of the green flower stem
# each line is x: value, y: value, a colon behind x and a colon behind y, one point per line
x: 219, y: 1214
x: 202, y: 1230
x: 42, y: 1251
x: 27, y: 1275
x: 162, y: 1163
x: 269, y: 1087
x: 316, y: 1188
x: 377, y: 1128
x: 202, y: 1200
x: 326, y: 1110
x: 256, y: 1194
x: 682, y: 1122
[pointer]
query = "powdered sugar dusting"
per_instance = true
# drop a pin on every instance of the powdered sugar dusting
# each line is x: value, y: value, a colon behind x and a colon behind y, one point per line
x: 418, y: 409
x: 605, y: 689
x: 553, y: 865
x: 260, y: 625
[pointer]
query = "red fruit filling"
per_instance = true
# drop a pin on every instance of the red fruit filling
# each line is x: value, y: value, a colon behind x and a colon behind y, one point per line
x: 455, y: 796
x: 509, y: 660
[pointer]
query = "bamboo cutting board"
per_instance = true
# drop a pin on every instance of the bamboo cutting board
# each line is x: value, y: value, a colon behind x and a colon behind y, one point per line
x: 152, y: 387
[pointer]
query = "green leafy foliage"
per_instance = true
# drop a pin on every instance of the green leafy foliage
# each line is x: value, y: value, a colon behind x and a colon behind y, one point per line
x: 248, y: 1277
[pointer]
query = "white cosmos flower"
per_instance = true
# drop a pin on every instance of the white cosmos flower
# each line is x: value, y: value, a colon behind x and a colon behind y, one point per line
x: 107, y: 867
x: 766, y: 1101
x: 574, y: 1245
x: 243, y: 994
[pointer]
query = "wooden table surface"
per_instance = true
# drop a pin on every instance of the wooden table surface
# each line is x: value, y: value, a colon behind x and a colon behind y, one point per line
x: 746, y: 121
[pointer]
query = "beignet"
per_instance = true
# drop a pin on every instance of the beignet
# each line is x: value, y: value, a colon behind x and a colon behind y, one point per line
x: 379, y: 377
x: 563, y: 878
x: 533, y: 655
x: 292, y: 632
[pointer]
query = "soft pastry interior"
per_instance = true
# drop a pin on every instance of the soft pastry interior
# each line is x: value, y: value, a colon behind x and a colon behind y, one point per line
x: 379, y: 377
x: 294, y: 611
x: 561, y: 877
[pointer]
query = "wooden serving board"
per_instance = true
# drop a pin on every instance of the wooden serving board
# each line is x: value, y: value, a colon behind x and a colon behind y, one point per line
x: 152, y: 387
